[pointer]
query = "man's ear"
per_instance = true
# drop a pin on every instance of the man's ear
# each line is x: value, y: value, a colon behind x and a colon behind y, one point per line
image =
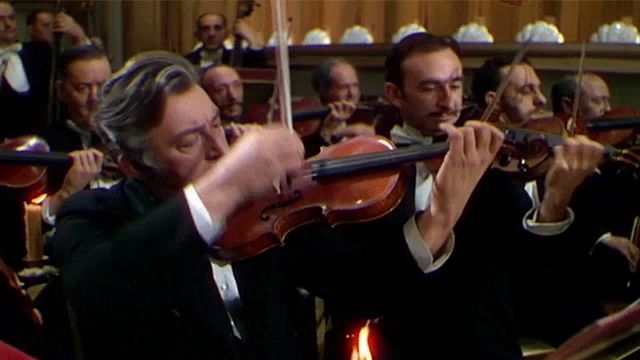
x: 567, y: 105
x: 393, y: 93
x: 489, y: 98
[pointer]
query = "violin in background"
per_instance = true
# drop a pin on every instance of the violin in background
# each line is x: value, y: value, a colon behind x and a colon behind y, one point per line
x: 619, y: 127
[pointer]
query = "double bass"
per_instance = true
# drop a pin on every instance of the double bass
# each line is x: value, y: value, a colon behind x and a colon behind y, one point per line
x: 244, y: 9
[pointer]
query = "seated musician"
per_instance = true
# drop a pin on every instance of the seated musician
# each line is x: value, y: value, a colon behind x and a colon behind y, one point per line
x: 595, y: 98
x: 550, y: 262
x: 135, y: 258
x: 212, y: 30
x: 224, y: 86
x: 610, y: 198
x: 82, y: 70
x: 337, y: 84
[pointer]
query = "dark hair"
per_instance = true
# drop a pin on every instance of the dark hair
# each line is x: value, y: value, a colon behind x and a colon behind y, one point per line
x: 33, y: 15
x: 566, y: 87
x: 488, y: 76
x: 224, y: 19
x: 415, y: 43
x: 321, y: 75
x: 78, y: 53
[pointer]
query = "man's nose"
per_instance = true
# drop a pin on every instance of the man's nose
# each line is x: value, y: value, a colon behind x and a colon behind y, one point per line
x: 607, y: 105
x: 215, y: 142
x: 539, y: 99
x: 94, y: 90
x: 445, y: 98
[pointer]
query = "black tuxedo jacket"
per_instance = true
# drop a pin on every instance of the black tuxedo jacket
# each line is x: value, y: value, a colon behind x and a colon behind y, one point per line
x: 139, y: 279
x: 250, y: 57
x: 550, y: 276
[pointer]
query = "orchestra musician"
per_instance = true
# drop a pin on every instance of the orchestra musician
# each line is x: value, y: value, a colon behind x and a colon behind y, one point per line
x: 82, y: 70
x: 610, y: 200
x: 211, y: 31
x: 134, y: 258
x: 337, y: 84
x: 550, y: 264
x: 224, y: 86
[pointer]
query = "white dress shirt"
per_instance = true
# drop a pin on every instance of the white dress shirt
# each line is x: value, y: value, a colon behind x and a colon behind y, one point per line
x: 12, y: 70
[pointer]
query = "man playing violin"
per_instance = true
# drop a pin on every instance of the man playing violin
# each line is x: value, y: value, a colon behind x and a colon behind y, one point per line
x: 211, y: 31
x: 223, y: 85
x: 610, y: 198
x: 135, y: 260
x: 594, y: 101
x: 337, y: 84
x: 83, y: 70
x: 537, y: 273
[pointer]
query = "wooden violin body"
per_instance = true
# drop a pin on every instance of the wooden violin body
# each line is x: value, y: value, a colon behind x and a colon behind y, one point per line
x: 618, y: 127
x: 346, y: 198
x: 21, y: 161
x: 529, y: 156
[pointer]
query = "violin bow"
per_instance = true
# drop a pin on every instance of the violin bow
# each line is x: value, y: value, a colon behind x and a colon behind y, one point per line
x: 571, y: 123
x: 52, y: 106
x: 279, y: 18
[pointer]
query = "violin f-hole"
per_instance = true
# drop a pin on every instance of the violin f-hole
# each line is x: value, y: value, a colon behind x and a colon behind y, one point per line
x: 265, y: 214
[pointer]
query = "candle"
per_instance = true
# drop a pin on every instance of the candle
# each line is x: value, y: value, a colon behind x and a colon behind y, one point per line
x: 33, y: 232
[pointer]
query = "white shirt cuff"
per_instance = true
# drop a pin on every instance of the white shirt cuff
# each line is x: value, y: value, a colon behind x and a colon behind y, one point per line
x: 419, y: 250
x: 47, y: 217
x: 530, y: 223
x: 208, y: 228
x: 600, y: 239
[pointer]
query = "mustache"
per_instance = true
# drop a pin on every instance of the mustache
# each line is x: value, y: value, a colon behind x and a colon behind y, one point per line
x: 445, y: 114
x: 231, y: 103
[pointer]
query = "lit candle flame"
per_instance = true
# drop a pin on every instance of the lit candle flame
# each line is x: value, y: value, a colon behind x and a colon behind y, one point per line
x: 361, y: 351
x: 38, y: 199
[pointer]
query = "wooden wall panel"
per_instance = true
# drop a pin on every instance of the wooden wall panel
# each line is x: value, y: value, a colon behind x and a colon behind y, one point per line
x: 170, y: 24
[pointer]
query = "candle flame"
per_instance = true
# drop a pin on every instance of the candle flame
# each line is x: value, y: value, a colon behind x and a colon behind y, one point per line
x: 361, y: 351
x: 38, y: 199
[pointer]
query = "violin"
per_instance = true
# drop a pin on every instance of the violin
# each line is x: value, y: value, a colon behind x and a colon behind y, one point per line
x: 308, y: 114
x: 528, y: 150
x: 527, y: 153
x: 618, y: 127
x: 357, y: 180
x: 23, y: 160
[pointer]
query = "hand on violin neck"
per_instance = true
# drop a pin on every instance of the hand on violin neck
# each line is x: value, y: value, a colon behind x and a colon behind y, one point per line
x: 472, y: 148
x: 625, y: 247
x: 86, y: 166
x: 341, y: 110
x: 261, y: 158
x: 575, y: 159
x: 334, y: 125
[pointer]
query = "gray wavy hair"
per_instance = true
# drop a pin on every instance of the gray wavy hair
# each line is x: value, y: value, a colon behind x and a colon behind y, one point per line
x: 133, y: 99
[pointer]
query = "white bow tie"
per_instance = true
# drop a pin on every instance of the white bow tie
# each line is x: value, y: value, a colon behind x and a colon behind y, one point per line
x: 11, y: 68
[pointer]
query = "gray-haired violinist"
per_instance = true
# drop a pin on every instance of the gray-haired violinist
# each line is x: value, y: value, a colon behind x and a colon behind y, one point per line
x: 136, y: 261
